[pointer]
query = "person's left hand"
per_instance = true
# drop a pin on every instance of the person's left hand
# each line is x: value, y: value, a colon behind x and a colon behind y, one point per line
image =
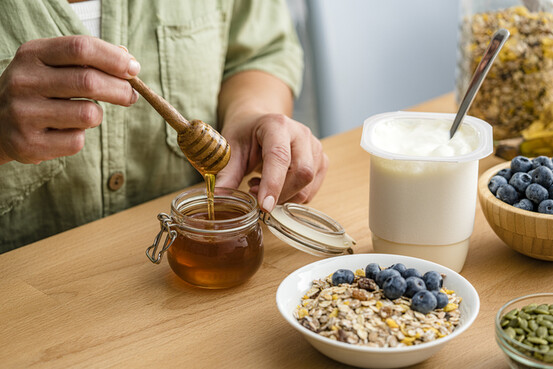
x: 290, y: 158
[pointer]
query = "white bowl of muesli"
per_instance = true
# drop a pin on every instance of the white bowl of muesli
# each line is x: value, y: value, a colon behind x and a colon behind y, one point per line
x: 362, y: 316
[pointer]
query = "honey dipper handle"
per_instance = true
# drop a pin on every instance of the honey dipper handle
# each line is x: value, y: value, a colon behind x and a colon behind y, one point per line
x: 166, y: 110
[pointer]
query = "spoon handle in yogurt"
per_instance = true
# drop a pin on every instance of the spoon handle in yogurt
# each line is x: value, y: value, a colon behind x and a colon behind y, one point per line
x: 498, y: 40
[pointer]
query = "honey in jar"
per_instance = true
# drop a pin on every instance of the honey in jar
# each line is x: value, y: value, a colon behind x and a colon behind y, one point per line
x: 220, y: 252
x: 227, y: 249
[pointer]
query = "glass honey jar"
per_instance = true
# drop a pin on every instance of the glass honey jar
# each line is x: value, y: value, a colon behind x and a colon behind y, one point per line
x: 228, y: 250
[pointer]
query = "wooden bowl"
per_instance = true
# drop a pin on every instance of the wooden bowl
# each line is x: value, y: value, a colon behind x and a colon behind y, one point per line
x: 527, y: 232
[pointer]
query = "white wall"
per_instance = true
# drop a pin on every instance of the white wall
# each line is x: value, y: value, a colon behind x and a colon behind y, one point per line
x: 373, y: 56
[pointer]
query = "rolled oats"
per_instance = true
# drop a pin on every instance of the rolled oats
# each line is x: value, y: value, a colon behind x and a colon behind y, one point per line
x: 351, y: 314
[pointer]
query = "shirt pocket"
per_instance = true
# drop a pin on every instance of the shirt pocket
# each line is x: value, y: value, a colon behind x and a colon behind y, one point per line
x: 18, y: 180
x: 191, y: 57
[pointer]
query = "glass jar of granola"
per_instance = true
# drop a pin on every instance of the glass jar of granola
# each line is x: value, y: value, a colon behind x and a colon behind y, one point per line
x: 517, y: 95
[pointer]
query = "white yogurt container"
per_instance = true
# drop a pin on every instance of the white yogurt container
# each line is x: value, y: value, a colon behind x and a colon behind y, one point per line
x: 423, y: 186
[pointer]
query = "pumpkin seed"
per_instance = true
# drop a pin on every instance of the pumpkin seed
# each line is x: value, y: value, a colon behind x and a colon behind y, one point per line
x: 537, y: 340
x: 541, y: 332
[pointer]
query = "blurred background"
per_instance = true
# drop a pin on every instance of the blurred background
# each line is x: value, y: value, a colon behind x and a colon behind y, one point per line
x: 365, y: 57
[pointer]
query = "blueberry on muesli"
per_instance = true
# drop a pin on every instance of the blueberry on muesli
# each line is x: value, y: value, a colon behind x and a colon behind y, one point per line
x: 385, y: 274
x: 342, y: 276
x: 424, y: 302
x: 399, y: 267
x: 414, y: 285
x: 433, y: 280
x: 372, y: 270
x: 411, y: 272
x: 394, y: 287
x: 441, y: 299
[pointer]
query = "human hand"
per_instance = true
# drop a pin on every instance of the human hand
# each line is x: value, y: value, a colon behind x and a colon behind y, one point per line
x: 38, y: 119
x: 291, y: 159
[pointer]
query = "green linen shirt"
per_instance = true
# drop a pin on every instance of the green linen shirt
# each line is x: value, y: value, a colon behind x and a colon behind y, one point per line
x: 186, y: 49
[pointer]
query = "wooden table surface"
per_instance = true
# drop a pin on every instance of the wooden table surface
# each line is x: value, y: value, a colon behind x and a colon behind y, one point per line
x: 89, y: 297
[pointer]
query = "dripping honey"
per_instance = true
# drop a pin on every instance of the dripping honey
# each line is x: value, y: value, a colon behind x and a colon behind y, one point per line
x: 210, y: 191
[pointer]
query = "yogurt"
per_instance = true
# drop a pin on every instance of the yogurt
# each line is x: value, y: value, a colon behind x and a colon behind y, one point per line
x: 423, y: 186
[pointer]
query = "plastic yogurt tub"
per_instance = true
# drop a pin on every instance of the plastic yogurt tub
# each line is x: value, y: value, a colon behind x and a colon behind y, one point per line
x: 423, y: 186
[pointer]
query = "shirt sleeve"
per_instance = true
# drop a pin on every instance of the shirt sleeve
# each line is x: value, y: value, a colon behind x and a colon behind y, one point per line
x: 262, y: 37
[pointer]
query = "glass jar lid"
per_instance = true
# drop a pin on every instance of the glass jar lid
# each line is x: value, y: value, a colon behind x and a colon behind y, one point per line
x: 308, y: 230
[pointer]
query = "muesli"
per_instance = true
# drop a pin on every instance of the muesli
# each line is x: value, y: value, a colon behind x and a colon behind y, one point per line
x: 359, y: 313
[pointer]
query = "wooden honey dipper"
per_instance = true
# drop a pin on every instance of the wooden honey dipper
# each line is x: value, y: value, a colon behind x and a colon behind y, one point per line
x: 202, y: 145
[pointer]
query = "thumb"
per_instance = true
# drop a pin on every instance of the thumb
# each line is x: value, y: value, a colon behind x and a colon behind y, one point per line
x: 231, y: 175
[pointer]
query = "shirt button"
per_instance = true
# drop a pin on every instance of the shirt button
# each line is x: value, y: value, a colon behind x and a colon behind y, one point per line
x: 116, y: 181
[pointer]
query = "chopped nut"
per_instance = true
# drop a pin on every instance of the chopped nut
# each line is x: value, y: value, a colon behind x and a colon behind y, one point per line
x: 367, y: 284
x: 360, y: 295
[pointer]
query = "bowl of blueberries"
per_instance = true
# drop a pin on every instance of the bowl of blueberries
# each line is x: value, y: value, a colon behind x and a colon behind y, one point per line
x: 517, y: 201
x: 377, y: 310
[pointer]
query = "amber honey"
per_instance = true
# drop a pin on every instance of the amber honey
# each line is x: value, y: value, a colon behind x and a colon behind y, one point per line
x: 221, y: 252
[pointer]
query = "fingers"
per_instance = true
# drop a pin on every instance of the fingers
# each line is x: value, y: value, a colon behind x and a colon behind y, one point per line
x: 40, y: 133
x: 306, y: 194
x: 231, y: 175
x: 87, y: 83
x: 38, y: 119
x: 74, y: 67
x: 294, y: 164
x: 33, y: 147
x: 83, y: 51
x: 45, y: 114
x: 274, y: 139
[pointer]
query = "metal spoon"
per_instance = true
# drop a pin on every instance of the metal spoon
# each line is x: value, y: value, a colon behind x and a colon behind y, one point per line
x: 498, y: 40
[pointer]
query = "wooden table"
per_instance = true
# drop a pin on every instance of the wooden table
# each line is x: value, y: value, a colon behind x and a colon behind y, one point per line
x: 89, y: 297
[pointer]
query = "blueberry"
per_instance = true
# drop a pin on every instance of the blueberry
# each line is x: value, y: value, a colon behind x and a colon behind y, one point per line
x: 507, y: 173
x: 394, y: 287
x: 411, y: 272
x: 520, y: 181
x: 507, y: 193
x: 385, y: 274
x: 542, y: 176
x: 399, y: 267
x: 542, y: 161
x: 536, y: 193
x: 342, y: 276
x: 525, y: 204
x: 495, y: 182
x: 433, y: 280
x: 372, y: 270
x: 550, y: 190
x: 424, y: 302
x: 546, y: 207
x: 441, y: 299
x: 414, y: 285
x: 521, y: 164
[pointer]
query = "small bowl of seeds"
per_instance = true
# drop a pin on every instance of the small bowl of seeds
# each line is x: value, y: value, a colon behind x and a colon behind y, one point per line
x: 524, y: 331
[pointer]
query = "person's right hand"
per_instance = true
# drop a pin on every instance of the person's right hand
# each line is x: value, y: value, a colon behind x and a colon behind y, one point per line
x: 38, y: 118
